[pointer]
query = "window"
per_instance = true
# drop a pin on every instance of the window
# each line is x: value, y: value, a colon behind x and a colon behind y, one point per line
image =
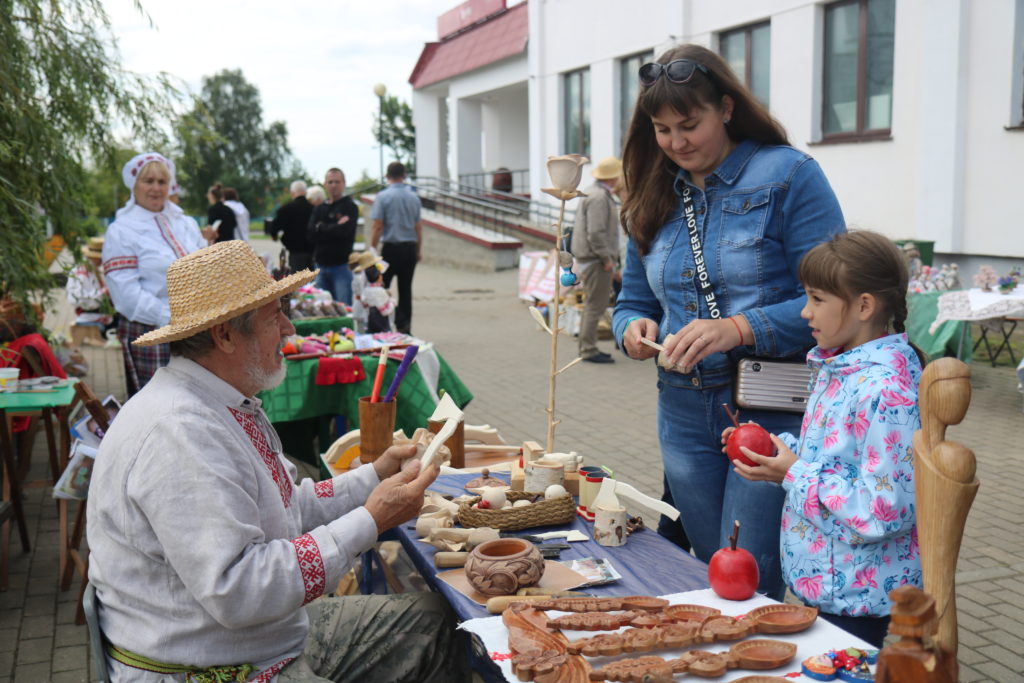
x: 629, y: 89
x: 577, y: 112
x: 748, y: 52
x: 859, y: 38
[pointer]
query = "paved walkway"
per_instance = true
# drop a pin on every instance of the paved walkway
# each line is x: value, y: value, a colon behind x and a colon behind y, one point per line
x: 607, y: 414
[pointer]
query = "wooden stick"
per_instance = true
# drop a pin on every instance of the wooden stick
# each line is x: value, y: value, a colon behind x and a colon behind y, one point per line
x: 653, y: 344
x: 486, y: 447
x: 570, y: 364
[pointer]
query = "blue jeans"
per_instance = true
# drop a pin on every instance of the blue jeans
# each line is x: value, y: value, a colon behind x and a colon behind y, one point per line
x: 707, y: 493
x: 337, y: 280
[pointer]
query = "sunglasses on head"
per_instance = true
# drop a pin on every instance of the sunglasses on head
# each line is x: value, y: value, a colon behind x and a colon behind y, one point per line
x: 677, y: 71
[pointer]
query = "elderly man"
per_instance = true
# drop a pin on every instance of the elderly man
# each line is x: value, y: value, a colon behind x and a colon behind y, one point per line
x: 595, y: 244
x: 204, y: 550
x: 291, y: 222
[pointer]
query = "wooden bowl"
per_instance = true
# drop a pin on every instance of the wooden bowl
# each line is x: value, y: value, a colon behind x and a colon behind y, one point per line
x: 762, y: 654
x: 783, y: 618
x: 690, y: 612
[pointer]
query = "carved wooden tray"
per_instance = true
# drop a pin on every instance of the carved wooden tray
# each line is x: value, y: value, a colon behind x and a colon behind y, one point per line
x: 783, y: 618
x: 751, y: 654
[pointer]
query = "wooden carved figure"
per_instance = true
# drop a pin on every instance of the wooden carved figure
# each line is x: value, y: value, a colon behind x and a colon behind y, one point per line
x: 914, y: 659
x: 945, y: 485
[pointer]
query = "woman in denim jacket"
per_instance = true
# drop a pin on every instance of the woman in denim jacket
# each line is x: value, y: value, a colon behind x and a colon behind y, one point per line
x: 757, y: 206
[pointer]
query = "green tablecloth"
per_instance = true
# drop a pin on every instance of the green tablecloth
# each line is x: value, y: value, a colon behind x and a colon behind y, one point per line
x: 302, y: 410
x: 308, y: 326
x: 922, y: 309
x: 36, y: 400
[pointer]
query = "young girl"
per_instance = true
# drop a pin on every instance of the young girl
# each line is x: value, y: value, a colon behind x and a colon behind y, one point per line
x: 848, y: 525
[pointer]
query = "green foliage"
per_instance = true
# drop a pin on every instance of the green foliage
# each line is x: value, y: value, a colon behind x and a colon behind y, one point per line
x: 62, y: 91
x: 223, y: 139
x: 394, y: 129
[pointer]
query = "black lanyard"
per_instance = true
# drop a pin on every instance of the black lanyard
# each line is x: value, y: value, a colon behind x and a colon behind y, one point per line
x: 703, y: 280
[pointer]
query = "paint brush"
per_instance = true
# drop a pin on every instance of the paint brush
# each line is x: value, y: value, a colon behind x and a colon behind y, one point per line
x: 382, y: 363
x: 403, y: 368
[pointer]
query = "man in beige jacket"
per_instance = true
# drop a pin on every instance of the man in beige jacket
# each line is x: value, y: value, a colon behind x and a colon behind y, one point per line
x: 595, y: 244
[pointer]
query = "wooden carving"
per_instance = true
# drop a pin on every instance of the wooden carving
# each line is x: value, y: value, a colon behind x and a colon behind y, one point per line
x: 633, y: 602
x: 913, y: 657
x: 713, y: 628
x: 752, y: 654
x: 538, y: 652
x: 593, y: 621
x: 945, y: 485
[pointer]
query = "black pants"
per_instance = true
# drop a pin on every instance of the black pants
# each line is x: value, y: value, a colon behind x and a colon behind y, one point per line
x: 300, y: 260
x: 401, y: 258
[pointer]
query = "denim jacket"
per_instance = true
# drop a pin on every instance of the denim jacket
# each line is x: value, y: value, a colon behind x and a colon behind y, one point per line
x: 761, y: 210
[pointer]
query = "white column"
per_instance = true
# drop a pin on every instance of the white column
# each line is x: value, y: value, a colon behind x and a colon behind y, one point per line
x: 428, y: 119
x: 466, y: 137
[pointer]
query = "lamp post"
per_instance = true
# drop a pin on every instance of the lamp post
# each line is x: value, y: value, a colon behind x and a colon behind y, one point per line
x: 380, y: 90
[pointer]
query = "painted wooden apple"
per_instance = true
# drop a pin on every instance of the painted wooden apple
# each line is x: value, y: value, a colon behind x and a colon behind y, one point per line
x: 752, y: 436
x: 732, y: 571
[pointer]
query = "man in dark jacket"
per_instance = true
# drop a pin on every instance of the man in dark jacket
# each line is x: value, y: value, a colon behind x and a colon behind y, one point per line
x: 332, y: 232
x: 291, y: 222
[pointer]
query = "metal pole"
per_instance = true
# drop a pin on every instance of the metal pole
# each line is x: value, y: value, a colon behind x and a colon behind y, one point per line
x: 380, y: 133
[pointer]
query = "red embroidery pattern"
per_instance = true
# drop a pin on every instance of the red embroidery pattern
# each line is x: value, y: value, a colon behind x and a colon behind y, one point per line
x: 272, y: 671
x: 324, y: 489
x: 165, y: 231
x: 311, y: 564
x: 270, y: 459
x: 120, y: 263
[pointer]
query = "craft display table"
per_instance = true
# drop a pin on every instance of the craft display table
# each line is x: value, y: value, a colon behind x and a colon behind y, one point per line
x: 649, y: 564
x: 298, y: 401
x: 989, y: 310
x: 49, y: 404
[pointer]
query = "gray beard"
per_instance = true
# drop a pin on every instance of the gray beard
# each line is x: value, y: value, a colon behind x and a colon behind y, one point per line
x: 261, y: 380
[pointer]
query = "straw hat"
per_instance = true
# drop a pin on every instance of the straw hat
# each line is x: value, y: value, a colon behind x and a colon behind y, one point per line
x: 361, y: 260
x: 607, y: 169
x: 215, y: 284
x: 94, y: 249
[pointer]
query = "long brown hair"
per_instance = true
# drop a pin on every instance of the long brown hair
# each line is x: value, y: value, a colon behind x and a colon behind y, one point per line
x: 862, y: 262
x: 647, y: 172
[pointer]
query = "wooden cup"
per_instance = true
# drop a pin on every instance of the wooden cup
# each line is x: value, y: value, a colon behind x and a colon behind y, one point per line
x: 376, y: 427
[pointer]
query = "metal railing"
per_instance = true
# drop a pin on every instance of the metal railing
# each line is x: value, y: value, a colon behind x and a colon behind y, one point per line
x: 500, y: 211
x: 511, y: 181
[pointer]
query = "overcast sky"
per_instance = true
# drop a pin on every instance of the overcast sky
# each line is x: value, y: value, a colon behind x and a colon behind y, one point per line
x: 315, y: 63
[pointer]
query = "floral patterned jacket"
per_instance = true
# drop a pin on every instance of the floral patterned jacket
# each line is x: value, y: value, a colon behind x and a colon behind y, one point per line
x: 849, y: 534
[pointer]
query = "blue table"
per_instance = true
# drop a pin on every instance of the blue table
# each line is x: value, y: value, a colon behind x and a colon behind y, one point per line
x: 649, y: 564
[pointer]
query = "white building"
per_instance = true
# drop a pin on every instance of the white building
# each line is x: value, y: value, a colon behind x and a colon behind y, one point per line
x: 914, y: 108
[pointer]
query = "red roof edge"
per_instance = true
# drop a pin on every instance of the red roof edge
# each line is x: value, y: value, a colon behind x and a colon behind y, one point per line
x: 428, y: 51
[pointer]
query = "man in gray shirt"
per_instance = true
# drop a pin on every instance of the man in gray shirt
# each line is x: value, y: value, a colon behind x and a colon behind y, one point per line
x: 398, y: 235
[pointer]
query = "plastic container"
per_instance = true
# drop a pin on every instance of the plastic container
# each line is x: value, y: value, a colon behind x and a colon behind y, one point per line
x: 9, y: 378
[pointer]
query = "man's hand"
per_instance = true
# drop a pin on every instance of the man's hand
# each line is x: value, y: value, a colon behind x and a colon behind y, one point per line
x: 390, y: 461
x: 399, y: 498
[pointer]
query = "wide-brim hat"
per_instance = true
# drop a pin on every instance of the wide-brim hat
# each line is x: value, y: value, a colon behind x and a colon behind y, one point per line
x: 608, y: 168
x: 215, y: 284
x: 94, y: 249
x: 360, y: 261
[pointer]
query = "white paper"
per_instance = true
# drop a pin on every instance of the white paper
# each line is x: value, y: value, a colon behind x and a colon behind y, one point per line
x: 818, y: 639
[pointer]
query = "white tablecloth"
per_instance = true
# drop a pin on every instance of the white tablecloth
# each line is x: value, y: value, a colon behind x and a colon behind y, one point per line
x: 818, y: 639
x: 974, y: 305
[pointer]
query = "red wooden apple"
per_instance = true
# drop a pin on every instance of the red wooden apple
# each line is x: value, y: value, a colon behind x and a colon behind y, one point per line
x: 753, y: 437
x: 732, y: 571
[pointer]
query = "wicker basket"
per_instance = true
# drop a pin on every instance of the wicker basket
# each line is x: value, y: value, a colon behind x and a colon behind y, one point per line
x: 542, y: 513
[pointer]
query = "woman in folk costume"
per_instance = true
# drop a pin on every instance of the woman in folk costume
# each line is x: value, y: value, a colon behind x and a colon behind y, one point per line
x: 148, y: 234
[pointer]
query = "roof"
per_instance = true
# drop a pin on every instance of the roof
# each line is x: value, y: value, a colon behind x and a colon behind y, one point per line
x: 502, y: 36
